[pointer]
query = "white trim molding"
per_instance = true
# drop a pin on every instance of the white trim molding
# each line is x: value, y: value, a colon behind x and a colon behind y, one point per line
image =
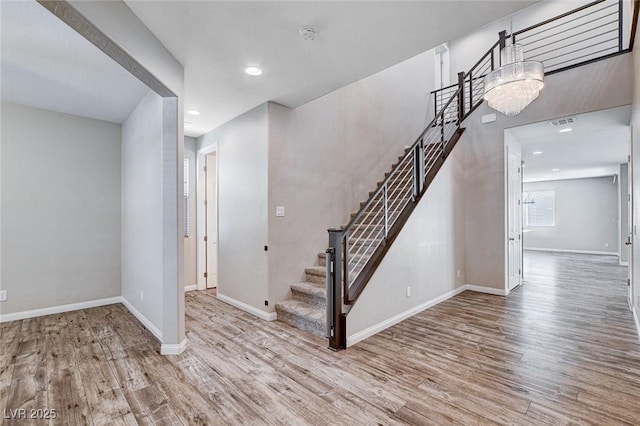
x: 636, y: 317
x: 191, y: 287
x: 623, y: 263
x: 377, y: 328
x: 173, y: 349
x: 607, y: 253
x: 488, y: 290
x: 144, y: 320
x: 59, y: 309
x: 267, y: 316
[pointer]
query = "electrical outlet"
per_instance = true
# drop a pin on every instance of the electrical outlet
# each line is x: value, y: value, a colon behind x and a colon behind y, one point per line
x: 458, y: 273
x: 141, y: 296
x: 606, y: 245
x: 3, y: 295
x: 408, y: 291
x: 279, y: 211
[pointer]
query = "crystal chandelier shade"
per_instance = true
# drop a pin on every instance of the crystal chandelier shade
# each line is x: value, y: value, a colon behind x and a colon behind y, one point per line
x: 513, y: 86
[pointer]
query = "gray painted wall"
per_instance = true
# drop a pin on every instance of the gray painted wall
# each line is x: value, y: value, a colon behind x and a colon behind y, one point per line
x: 142, y: 209
x: 242, y: 206
x: 603, y: 84
x: 426, y: 255
x: 327, y: 155
x: 190, y: 257
x: 623, y: 186
x: 586, y: 216
x: 60, y: 208
x: 122, y: 26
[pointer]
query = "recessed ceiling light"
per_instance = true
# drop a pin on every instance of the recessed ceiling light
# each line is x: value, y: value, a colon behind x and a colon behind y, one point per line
x: 193, y: 112
x: 537, y: 152
x: 555, y: 170
x: 253, y: 71
x: 186, y: 123
x: 565, y: 130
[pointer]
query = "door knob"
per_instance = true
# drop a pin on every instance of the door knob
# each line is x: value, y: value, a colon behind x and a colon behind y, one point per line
x: 628, y: 243
x: 511, y: 239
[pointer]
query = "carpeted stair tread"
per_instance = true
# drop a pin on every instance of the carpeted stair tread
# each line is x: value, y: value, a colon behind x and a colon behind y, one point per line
x: 318, y: 271
x: 312, y: 289
x: 303, y: 316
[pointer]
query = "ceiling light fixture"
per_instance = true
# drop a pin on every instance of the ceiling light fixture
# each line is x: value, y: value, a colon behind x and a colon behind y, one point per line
x: 555, y: 170
x: 537, y: 152
x: 568, y: 129
x: 512, y: 87
x: 254, y: 71
x: 308, y: 33
x: 193, y: 112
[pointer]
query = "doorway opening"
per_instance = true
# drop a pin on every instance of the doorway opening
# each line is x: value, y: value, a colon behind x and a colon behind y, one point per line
x: 207, y: 218
x: 569, y: 203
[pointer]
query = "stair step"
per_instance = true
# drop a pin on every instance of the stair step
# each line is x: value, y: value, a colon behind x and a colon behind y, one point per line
x: 302, y: 316
x: 311, y: 293
x: 316, y: 274
x: 322, y: 259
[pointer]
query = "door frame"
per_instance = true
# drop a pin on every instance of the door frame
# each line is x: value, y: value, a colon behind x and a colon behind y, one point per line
x: 201, y: 250
x: 507, y: 219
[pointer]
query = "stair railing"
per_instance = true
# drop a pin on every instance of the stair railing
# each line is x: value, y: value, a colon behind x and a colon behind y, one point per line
x: 356, y: 250
x: 583, y: 35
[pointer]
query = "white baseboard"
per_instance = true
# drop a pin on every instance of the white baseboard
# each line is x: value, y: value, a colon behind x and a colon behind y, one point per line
x: 488, y: 290
x: 144, y: 320
x: 267, y: 316
x: 175, y: 349
x: 59, y: 309
x: 191, y: 287
x: 377, y: 328
x: 608, y: 253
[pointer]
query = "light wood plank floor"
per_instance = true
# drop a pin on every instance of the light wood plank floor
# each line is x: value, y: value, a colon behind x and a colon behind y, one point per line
x: 562, y: 349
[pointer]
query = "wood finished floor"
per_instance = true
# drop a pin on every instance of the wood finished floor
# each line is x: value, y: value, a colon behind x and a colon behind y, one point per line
x: 562, y: 349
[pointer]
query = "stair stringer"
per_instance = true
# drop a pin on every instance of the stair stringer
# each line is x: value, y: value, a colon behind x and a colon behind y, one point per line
x: 425, y: 255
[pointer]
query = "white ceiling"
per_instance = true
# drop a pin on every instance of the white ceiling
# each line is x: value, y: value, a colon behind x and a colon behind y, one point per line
x: 216, y: 40
x: 596, y: 146
x: 45, y: 64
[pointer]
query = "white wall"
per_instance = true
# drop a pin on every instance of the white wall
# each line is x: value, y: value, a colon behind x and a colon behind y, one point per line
x: 327, y: 155
x: 60, y: 209
x: 586, y: 216
x: 242, y: 207
x: 426, y: 255
x: 142, y: 209
x: 600, y: 85
x: 190, y: 256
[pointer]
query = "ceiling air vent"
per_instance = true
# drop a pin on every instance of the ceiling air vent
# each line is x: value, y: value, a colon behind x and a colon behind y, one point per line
x: 562, y: 121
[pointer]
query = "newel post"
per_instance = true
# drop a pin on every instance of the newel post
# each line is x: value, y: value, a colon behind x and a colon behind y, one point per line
x: 336, y: 323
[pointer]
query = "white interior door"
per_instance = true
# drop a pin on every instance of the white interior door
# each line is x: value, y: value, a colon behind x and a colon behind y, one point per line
x: 629, y: 241
x: 211, y: 223
x: 514, y: 218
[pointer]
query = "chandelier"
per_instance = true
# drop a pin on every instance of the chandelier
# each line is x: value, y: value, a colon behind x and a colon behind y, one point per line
x: 513, y: 86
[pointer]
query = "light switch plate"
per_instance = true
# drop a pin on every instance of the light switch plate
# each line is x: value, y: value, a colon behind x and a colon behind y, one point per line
x: 279, y: 211
x: 3, y: 295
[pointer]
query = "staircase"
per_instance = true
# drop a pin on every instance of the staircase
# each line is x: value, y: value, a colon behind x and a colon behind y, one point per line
x: 307, y: 309
x: 320, y: 304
